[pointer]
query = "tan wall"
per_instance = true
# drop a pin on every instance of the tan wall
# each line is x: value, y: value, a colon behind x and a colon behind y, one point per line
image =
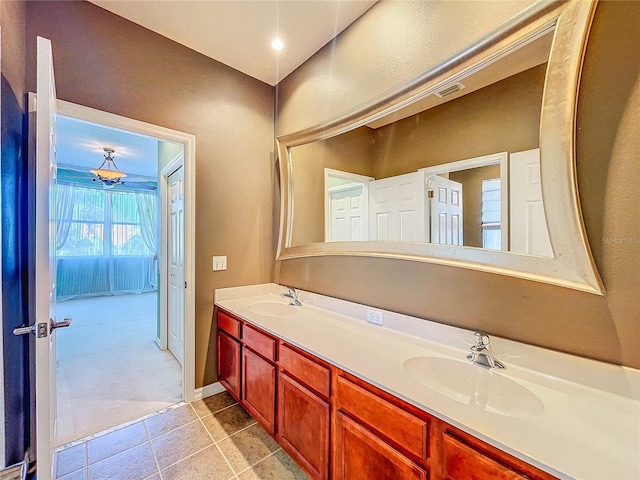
x: 351, y: 152
x: 471, y: 181
x: 106, y: 62
x: 391, y: 43
x: 606, y: 328
x: 503, y: 117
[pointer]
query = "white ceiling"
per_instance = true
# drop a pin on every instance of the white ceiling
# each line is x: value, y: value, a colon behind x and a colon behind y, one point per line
x: 238, y: 33
x: 81, y: 144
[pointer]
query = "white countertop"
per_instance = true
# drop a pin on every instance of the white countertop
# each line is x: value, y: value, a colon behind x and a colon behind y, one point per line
x: 589, y: 427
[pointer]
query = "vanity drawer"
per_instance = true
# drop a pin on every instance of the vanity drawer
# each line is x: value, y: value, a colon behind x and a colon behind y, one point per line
x: 314, y: 375
x: 407, y: 431
x: 259, y: 342
x: 229, y: 324
x: 461, y: 462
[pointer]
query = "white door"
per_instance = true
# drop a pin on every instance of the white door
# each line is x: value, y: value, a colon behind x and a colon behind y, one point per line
x: 446, y: 211
x: 397, y: 208
x: 527, y: 222
x: 45, y: 240
x: 348, y: 213
x: 175, y: 247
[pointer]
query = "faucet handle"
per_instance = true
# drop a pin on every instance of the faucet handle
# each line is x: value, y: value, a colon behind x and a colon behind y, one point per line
x: 482, y: 339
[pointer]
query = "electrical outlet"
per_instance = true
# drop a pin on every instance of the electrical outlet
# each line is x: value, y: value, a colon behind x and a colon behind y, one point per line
x: 374, y: 316
x: 219, y: 263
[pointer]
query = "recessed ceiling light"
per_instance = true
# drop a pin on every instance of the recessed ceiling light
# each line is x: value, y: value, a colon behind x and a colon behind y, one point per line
x: 277, y: 44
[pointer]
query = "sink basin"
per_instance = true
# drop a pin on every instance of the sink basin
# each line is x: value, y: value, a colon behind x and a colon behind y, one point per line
x: 273, y: 309
x: 474, y: 385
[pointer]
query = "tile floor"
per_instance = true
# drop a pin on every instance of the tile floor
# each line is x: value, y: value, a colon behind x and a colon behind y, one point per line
x: 212, y: 439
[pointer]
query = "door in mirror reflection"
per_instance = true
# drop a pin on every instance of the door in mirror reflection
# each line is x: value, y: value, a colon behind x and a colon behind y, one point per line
x: 461, y: 203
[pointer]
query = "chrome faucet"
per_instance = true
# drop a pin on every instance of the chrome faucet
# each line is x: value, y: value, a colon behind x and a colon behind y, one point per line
x: 292, y: 295
x: 481, y: 352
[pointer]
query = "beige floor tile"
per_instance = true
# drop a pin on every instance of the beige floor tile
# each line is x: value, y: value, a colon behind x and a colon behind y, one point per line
x: 169, y: 420
x: 153, y: 477
x: 115, y: 442
x: 77, y: 475
x: 214, y: 403
x: 178, y: 444
x: 227, y: 422
x: 208, y: 464
x: 132, y: 464
x: 278, y: 466
x: 71, y: 459
x: 247, y: 447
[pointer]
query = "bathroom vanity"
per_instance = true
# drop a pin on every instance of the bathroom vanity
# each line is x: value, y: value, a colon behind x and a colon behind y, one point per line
x: 349, y: 400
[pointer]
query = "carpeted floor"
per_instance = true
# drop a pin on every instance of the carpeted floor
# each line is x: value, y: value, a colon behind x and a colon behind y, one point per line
x: 110, y: 370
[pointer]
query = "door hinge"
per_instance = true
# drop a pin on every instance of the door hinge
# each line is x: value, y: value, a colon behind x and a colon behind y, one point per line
x: 430, y: 193
x: 185, y: 284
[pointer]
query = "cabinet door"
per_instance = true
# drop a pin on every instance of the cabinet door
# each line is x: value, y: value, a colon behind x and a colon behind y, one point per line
x: 259, y: 389
x: 229, y: 363
x: 358, y: 453
x: 303, y: 426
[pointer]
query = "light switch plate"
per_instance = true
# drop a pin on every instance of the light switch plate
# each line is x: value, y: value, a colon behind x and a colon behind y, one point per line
x: 219, y: 262
x: 374, y: 316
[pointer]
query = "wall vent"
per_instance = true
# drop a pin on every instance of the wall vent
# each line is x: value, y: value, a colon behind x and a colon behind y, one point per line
x: 449, y: 89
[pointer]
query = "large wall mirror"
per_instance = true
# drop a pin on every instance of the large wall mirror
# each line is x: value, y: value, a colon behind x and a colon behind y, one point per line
x: 470, y: 164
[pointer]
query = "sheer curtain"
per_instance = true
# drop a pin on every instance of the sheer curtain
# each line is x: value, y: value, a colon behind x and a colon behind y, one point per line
x: 65, y: 199
x: 105, y: 251
x: 148, y: 212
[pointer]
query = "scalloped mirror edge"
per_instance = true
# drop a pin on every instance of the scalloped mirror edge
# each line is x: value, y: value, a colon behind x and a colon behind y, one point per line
x: 572, y: 265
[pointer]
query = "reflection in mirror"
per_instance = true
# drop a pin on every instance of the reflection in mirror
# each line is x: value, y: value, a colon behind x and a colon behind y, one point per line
x: 458, y: 167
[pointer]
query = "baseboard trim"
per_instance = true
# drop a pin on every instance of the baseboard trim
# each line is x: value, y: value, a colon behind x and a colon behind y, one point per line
x: 208, y: 390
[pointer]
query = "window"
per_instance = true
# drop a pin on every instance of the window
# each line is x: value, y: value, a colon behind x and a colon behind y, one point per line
x: 491, y: 214
x: 126, y: 233
x: 86, y: 233
x: 103, y: 223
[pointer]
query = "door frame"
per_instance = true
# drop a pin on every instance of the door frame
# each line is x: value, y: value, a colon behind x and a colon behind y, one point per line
x: 500, y: 158
x: 163, y: 184
x: 188, y: 140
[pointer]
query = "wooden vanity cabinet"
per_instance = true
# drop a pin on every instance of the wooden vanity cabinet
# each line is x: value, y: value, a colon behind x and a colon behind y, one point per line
x: 228, y: 341
x: 259, y: 376
x: 376, y: 435
x: 304, y: 410
x: 359, y: 453
x: 337, y: 426
x: 464, y: 457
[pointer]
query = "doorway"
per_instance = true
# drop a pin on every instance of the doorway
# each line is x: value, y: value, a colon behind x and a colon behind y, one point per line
x: 134, y: 313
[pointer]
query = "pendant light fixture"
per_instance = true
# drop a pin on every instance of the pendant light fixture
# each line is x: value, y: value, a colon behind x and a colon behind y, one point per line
x: 108, y: 173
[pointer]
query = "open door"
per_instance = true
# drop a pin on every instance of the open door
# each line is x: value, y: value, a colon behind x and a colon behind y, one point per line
x: 175, y: 250
x: 45, y: 261
x: 528, y: 224
x: 397, y: 208
x: 446, y: 211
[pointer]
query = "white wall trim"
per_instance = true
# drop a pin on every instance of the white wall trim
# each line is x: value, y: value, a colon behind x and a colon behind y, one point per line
x: 209, y: 390
x: 189, y: 141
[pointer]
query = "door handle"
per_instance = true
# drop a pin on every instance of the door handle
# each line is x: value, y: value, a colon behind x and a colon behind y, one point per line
x: 40, y: 329
x: 24, y: 330
x: 61, y: 324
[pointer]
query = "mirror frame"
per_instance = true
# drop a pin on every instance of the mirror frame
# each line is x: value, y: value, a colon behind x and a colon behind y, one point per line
x: 572, y: 265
